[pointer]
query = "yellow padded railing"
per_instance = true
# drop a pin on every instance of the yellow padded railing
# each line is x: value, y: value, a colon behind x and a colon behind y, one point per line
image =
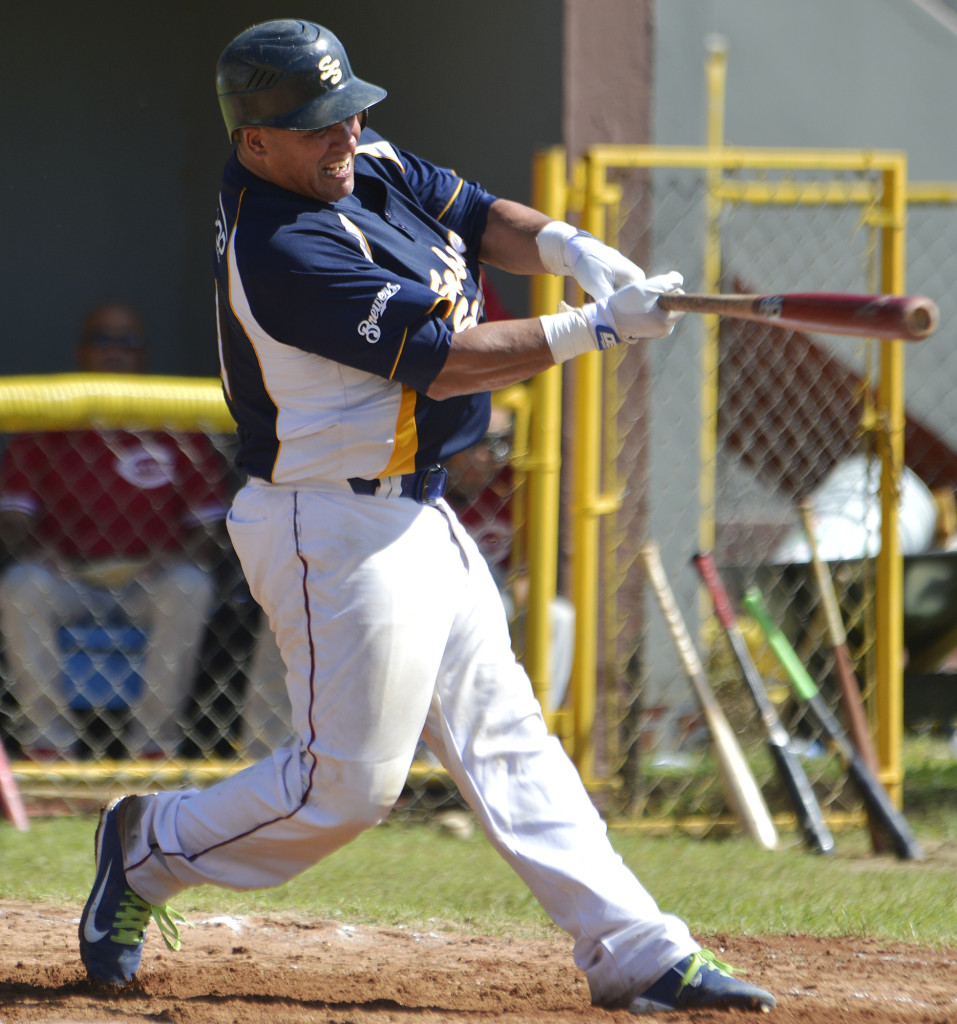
x: 70, y: 401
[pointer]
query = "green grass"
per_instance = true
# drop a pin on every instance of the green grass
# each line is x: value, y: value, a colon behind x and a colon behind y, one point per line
x: 411, y: 874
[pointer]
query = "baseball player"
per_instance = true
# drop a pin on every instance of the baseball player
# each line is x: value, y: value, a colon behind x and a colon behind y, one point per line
x: 356, y: 360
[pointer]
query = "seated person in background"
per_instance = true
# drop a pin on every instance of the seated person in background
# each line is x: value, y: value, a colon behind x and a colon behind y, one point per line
x: 100, y: 525
x: 480, y: 491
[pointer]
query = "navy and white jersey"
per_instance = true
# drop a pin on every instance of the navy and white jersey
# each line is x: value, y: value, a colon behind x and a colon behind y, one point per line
x: 334, y: 318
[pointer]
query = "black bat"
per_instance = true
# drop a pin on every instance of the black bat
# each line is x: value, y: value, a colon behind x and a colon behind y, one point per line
x: 817, y: 836
x: 854, y: 715
x: 875, y: 797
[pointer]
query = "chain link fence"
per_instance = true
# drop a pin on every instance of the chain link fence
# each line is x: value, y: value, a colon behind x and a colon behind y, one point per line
x: 710, y: 439
x: 715, y: 436
x: 133, y: 656
x: 128, y: 631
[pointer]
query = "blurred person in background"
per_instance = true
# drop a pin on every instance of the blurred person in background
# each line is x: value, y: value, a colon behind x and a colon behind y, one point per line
x: 101, y: 525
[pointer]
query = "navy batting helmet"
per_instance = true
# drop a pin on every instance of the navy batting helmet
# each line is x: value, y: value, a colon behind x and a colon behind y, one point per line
x: 289, y: 74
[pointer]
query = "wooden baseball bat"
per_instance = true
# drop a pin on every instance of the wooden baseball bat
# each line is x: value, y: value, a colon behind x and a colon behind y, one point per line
x: 905, y: 317
x: 817, y: 835
x: 851, y: 702
x: 873, y: 793
x: 741, y: 789
x: 10, y: 802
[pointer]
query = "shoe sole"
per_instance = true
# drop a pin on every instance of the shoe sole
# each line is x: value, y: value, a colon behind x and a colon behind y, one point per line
x: 646, y: 1007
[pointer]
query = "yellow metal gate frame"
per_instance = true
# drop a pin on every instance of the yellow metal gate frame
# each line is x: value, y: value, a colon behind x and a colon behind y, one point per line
x: 883, y: 200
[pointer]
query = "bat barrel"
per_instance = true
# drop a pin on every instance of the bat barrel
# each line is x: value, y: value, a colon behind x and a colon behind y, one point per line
x: 796, y: 783
x: 905, y: 317
x: 875, y: 796
x: 922, y: 319
x: 741, y: 788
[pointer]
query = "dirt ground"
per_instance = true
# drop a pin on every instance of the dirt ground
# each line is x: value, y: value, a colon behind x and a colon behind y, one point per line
x: 286, y: 970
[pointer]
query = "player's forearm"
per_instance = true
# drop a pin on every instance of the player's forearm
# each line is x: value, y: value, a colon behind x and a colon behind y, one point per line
x: 508, y: 241
x: 491, y: 356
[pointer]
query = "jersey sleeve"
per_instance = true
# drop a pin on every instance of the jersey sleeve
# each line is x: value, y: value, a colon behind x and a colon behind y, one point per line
x: 318, y: 291
x: 456, y: 203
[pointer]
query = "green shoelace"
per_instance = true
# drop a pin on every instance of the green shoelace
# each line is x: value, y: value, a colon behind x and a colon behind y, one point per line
x: 133, y: 918
x: 705, y: 958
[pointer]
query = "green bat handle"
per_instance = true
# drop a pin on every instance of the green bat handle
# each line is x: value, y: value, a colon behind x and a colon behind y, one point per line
x: 753, y: 602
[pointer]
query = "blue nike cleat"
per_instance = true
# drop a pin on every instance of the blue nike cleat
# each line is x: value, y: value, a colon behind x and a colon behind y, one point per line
x: 114, y: 920
x: 700, y: 982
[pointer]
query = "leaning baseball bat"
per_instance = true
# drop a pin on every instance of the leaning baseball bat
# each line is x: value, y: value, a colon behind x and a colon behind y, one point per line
x: 741, y: 790
x: 10, y: 802
x: 817, y: 835
x: 850, y: 690
x: 875, y: 796
x: 906, y: 317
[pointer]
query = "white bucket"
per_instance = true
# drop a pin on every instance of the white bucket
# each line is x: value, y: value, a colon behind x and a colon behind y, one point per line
x: 846, y: 515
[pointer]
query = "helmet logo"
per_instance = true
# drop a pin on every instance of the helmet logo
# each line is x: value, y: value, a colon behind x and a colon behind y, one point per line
x: 329, y: 69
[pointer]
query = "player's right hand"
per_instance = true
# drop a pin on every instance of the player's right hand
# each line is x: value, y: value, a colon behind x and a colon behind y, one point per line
x: 599, y: 269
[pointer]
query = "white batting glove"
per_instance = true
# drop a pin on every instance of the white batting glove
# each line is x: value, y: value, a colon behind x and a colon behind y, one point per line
x: 599, y: 269
x: 629, y: 315
x: 634, y: 310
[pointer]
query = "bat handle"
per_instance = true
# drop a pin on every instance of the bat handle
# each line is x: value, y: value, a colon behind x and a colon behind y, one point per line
x: 665, y: 297
x: 719, y: 596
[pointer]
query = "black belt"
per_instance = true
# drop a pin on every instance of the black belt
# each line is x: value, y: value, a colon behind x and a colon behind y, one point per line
x: 425, y: 487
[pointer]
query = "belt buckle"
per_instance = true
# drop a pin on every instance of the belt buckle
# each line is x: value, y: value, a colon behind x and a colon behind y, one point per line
x: 431, y: 485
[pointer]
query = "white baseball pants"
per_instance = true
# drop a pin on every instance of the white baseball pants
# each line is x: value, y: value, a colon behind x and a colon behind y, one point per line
x: 391, y: 627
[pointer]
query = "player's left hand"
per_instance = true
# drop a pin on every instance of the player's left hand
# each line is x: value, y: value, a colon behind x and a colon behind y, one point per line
x: 599, y: 269
x: 628, y: 315
x: 633, y: 311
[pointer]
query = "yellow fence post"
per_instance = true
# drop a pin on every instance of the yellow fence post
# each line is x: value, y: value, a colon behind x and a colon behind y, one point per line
x: 586, y: 464
x: 549, y: 191
x: 889, y: 613
x: 715, y: 77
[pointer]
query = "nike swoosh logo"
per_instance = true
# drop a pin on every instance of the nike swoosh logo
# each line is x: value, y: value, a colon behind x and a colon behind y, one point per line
x: 90, y: 932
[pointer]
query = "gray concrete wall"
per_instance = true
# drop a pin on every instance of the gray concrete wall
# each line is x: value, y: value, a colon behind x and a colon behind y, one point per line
x: 848, y: 74
x: 832, y: 74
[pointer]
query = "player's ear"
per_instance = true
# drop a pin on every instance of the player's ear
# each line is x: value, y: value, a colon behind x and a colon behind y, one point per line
x: 252, y: 140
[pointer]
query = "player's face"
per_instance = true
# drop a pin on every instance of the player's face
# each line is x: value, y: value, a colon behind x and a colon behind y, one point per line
x: 318, y: 164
